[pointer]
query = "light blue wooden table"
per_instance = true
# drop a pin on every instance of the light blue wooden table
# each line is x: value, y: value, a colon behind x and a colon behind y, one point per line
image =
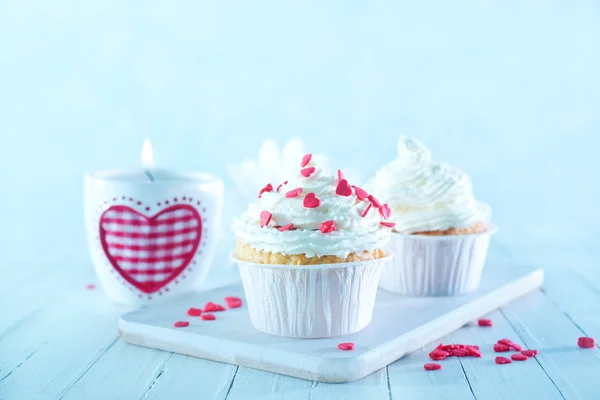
x: 59, y: 340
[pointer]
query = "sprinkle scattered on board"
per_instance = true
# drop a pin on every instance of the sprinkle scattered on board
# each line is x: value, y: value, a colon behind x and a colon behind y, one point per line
x: 233, y: 302
x: 212, y: 307
x: 181, y: 324
x: 432, y: 367
x: 194, y: 312
x: 208, y: 317
x: 90, y: 286
x: 346, y: 346
x: 484, y: 322
x: 586, y: 342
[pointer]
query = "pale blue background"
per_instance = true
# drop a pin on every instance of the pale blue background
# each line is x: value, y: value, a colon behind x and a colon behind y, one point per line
x: 509, y: 91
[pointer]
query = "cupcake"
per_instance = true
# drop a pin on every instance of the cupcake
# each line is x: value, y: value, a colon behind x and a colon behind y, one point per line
x: 441, y: 231
x: 309, y: 252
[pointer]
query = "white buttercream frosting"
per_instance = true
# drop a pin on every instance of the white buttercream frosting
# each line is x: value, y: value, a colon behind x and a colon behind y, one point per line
x: 426, y: 195
x: 353, y: 233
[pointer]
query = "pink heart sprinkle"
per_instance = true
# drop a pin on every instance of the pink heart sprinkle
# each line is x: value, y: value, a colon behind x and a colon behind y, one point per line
x: 233, y: 302
x: 502, y: 360
x: 305, y: 160
x: 360, y: 193
x: 366, y: 210
x: 343, y: 189
x: 281, y: 184
x: 265, y: 218
x: 586, y: 342
x: 340, y: 175
x: 212, y: 307
x: 306, y: 172
x: 208, y: 317
x: 432, y: 366
x: 484, y: 322
x: 519, y: 357
x: 90, y: 286
x: 294, y: 193
x: 501, y: 348
x: 311, y: 201
x: 285, y: 227
x: 346, y: 346
x: 374, y: 201
x: 181, y: 324
x: 327, y: 226
x: 194, y: 312
x: 388, y: 224
x: 268, y: 188
x: 529, y: 353
x: 385, y: 211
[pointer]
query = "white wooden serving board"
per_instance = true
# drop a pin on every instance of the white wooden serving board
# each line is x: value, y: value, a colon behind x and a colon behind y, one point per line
x: 400, y: 325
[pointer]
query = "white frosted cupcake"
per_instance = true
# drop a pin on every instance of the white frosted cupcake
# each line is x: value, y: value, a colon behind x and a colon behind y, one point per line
x: 441, y: 231
x: 309, y: 253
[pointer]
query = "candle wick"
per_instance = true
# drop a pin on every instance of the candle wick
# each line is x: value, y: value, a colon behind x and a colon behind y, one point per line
x: 149, y: 175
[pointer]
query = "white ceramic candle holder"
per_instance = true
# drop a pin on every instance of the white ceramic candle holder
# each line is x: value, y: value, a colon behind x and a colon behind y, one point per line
x: 151, y: 234
x: 310, y: 301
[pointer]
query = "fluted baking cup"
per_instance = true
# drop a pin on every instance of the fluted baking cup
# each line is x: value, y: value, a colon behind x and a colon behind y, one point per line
x: 310, y: 301
x: 435, y: 265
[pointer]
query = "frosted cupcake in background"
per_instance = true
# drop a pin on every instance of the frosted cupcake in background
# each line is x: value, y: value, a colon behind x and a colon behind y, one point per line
x: 309, y: 252
x: 441, y: 231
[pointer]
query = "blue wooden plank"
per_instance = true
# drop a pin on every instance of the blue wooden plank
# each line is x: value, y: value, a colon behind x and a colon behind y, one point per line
x: 374, y: 386
x: 252, y: 384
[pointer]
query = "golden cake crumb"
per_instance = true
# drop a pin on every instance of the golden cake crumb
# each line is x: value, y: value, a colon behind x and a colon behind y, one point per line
x: 478, y: 227
x: 245, y: 252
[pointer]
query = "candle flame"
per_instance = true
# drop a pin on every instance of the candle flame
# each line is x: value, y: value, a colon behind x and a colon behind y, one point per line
x: 147, y: 155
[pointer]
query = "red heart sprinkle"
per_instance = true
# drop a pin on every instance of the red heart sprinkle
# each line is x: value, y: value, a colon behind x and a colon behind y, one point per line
x: 366, y: 210
x: 268, y: 188
x: 311, y: 201
x: 502, y: 360
x: 438, y: 354
x: 294, y: 193
x: 459, y: 353
x: 340, y: 175
x: 90, y: 286
x: 305, y: 160
x: 509, y: 343
x: 327, y: 226
x: 208, y: 317
x: 233, y: 302
x: 181, y: 324
x: 374, y: 201
x: 473, y: 352
x: 360, y: 193
x: 484, y: 322
x: 306, y: 172
x: 265, y: 218
x: 194, y: 312
x: 529, y: 353
x: 501, y: 348
x: 388, y: 224
x: 346, y: 346
x: 432, y: 366
x: 343, y: 189
x: 281, y: 184
x: 385, y: 211
x: 285, y: 227
x: 586, y: 342
x: 212, y: 307
x: 519, y: 357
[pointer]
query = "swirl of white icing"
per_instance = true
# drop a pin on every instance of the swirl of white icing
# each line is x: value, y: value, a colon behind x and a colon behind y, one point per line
x: 426, y: 195
x: 353, y: 233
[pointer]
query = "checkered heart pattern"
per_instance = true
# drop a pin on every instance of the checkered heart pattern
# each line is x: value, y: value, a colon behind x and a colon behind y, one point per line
x: 149, y: 252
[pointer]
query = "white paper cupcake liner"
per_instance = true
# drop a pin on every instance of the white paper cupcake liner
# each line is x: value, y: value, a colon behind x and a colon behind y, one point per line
x: 311, y: 301
x: 435, y: 265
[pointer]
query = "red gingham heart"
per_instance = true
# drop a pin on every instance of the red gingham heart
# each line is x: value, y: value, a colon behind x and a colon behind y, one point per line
x: 149, y: 252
